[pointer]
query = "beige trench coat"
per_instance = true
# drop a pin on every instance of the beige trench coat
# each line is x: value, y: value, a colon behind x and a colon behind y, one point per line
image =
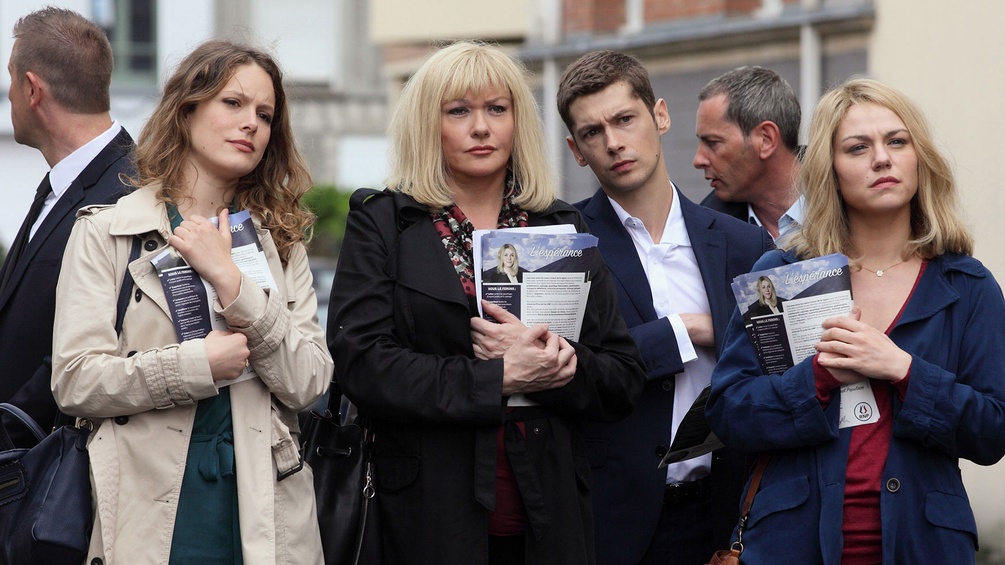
x: 140, y: 390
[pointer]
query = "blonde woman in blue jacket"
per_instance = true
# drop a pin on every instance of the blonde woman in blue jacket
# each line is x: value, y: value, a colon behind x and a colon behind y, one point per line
x: 927, y: 334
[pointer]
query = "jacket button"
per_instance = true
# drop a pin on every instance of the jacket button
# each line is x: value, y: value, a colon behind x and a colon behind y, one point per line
x: 131, y: 353
x: 97, y: 561
x: 138, y: 295
x: 122, y: 420
x: 667, y: 385
x: 893, y: 485
x: 661, y: 450
x: 150, y: 245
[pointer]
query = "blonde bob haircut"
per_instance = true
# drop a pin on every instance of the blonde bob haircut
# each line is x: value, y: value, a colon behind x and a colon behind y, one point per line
x: 418, y: 167
x: 935, y: 224
x: 272, y: 191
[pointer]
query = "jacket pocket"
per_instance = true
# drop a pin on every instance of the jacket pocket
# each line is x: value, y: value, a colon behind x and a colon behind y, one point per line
x: 950, y: 511
x: 392, y: 473
x: 779, y: 497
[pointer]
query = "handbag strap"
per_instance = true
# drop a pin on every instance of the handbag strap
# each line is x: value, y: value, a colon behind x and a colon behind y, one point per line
x: 755, y: 483
x: 24, y: 418
x: 127, y: 285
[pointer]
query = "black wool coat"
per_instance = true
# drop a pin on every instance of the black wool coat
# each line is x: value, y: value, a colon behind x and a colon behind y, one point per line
x: 399, y: 331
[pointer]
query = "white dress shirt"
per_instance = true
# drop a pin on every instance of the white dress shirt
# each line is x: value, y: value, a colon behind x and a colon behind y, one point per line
x: 65, y: 171
x: 677, y: 288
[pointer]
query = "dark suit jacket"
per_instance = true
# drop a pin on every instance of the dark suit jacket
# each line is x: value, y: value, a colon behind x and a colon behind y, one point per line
x: 399, y: 330
x: 737, y: 210
x: 28, y: 304
x: 627, y: 486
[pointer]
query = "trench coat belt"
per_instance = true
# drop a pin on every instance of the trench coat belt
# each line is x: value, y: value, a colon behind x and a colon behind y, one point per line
x: 524, y: 471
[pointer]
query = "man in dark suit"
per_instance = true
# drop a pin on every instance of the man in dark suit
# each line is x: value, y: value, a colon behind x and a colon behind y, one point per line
x: 60, y: 69
x: 672, y: 262
x: 748, y: 147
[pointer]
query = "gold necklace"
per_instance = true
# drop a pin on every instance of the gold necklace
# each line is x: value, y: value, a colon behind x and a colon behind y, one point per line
x: 881, y: 272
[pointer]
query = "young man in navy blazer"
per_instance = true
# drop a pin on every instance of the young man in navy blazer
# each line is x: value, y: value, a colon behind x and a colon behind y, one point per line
x: 673, y: 262
x: 60, y: 69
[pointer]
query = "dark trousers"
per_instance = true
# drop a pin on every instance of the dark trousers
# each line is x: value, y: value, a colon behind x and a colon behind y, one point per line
x: 684, y: 535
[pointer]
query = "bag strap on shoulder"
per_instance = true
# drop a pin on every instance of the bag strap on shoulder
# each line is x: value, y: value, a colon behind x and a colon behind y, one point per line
x: 127, y: 285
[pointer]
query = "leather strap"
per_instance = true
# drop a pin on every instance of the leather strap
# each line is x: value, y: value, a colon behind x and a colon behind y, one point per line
x: 755, y: 482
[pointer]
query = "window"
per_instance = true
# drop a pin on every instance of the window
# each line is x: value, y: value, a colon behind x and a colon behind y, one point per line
x: 131, y: 27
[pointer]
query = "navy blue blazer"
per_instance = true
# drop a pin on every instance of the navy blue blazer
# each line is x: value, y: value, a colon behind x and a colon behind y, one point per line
x: 28, y: 304
x: 627, y: 486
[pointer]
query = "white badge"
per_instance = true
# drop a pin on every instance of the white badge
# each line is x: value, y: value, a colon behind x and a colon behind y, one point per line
x: 858, y: 405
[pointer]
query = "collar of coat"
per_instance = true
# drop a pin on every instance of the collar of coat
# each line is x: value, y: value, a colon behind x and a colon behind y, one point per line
x: 409, y: 211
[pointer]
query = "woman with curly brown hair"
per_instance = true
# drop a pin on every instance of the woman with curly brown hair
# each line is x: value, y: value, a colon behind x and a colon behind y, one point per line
x: 186, y: 468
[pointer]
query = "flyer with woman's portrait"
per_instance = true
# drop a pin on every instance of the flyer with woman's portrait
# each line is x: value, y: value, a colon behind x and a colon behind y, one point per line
x: 783, y: 307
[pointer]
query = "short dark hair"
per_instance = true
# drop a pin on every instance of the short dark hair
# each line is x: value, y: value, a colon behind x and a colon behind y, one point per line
x: 597, y: 70
x: 68, y: 51
x: 754, y: 95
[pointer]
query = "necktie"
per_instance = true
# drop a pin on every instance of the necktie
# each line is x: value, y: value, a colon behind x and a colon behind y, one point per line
x: 21, y: 241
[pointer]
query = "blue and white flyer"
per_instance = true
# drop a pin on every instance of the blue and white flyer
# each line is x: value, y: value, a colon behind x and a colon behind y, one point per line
x: 541, y: 278
x: 190, y: 298
x: 784, y: 309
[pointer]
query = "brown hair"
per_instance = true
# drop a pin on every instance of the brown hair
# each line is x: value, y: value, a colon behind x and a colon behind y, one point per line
x: 594, y: 72
x: 70, y: 53
x: 272, y: 191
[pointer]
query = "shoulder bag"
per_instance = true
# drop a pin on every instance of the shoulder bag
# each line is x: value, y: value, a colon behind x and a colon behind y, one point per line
x: 46, y: 514
x: 340, y: 457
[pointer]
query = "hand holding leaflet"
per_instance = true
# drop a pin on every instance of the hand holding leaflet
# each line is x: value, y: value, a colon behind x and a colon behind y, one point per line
x: 783, y: 310
x: 190, y: 298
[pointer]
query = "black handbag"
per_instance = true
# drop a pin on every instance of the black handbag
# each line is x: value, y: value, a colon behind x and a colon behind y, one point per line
x: 46, y: 514
x: 45, y: 496
x: 340, y: 456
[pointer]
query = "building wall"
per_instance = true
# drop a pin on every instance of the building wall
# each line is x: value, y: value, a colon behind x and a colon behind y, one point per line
x: 948, y: 57
x: 405, y: 21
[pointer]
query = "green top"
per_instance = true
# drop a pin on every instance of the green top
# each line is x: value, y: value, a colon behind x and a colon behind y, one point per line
x: 206, y: 527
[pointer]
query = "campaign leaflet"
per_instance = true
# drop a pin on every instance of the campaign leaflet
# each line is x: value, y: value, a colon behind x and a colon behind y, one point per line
x: 783, y: 309
x: 818, y: 289
x: 548, y: 281
x: 540, y: 275
x: 190, y: 298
